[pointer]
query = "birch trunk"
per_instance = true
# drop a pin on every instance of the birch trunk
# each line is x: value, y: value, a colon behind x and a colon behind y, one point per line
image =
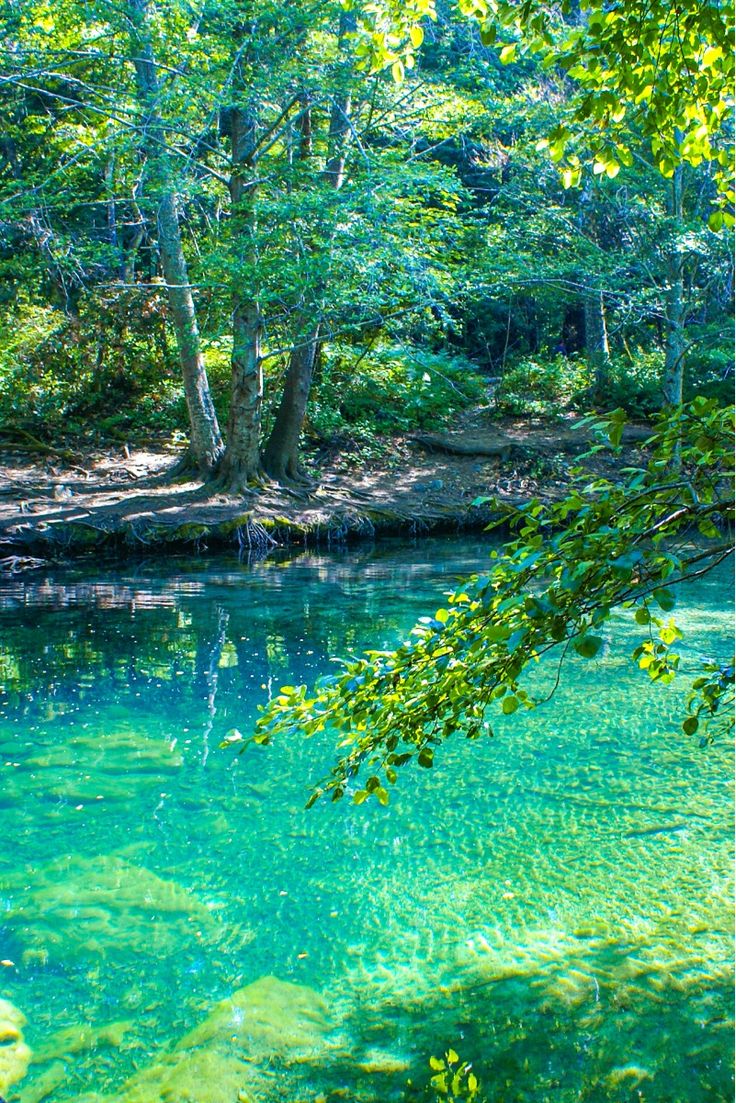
x: 597, y: 348
x: 205, y: 441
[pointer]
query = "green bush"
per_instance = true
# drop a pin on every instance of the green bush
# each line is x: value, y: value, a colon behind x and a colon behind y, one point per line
x: 112, y: 368
x: 634, y: 383
x: 542, y: 387
x: 709, y: 368
x: 392, y: 389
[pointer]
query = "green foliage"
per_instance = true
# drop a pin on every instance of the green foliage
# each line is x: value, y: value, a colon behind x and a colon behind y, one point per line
x: 606, y: 546
x: 454, y: 1080
x: 543, y: 386
x: 634, y: 383
x: 110, y: 365
x: 710, y: 363
x: 711, y: 701
x: 450, y: 219
x: 657, y: 69
x: 393, y: 388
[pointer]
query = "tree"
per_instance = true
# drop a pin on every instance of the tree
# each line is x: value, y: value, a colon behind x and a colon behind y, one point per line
x: 241, y: 462
x: 606, y: 546
x: 660, y: 69
x: 205, y: 441
x: 281, y: 452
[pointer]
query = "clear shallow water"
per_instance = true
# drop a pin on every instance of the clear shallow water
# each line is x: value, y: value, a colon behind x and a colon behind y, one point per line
x: 555, y: 904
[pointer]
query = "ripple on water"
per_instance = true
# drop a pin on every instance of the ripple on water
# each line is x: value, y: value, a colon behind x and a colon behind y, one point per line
x: 555, y: 904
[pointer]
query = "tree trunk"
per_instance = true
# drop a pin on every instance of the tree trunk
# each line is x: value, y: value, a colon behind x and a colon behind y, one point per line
x: 596, y: 337
x: 281, y: 454
x: 205, y: 441
x: 241, y: 464
x: 675, y: 305
x: 597, y: 349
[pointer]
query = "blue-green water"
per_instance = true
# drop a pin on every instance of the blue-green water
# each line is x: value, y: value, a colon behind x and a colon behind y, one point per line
x: 554, y: 904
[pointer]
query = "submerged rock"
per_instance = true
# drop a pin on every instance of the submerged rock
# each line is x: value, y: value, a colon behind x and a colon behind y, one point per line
x: 42, y: 1086
x: 227, y: 1057
x: 629, y: 1075
x: 99, y: 906
x: 15, y: 1055
x: 81, y: 1037
x: 381, y: 1061
x: 268, y: 1017
x: 202, y: 1076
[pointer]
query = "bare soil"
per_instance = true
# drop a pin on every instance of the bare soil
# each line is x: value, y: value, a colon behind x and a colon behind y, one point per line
x: 129, y: 497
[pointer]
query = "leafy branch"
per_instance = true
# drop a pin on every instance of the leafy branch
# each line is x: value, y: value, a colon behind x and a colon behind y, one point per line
x: 606, y: 546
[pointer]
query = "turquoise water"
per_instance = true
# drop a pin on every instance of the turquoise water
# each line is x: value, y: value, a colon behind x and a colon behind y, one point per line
x: 554, y: 904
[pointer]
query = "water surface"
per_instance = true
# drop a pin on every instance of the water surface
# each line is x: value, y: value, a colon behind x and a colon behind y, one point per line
x: 554, y: 904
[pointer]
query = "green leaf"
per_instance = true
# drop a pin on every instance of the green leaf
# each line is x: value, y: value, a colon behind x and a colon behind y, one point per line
x: 416, y: 36
x: 397, y: 71
x: 665, y: 599
x: 588, y: 646
x: 509, y: 705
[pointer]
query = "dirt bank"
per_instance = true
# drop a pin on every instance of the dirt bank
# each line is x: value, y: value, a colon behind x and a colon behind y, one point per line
x: 125, y: 498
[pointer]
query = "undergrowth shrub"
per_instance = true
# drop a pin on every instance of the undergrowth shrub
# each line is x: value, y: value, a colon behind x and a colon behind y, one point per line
x: 634, y: 383
x: 538, y: 387
x: 392, y: 388
x: 113, y: 367
x: 709, y: 369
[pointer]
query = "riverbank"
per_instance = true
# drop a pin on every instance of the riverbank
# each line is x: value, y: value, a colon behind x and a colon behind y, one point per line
x: 128, y: 500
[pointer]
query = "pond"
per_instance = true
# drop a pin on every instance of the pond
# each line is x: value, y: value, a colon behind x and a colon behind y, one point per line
x: 554, y: 904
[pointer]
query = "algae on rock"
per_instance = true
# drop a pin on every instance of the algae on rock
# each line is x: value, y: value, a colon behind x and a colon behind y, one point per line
x: 82, y: 1037
x: 15, y: 1054
x: 230, y: 1053
x: 83, y: 907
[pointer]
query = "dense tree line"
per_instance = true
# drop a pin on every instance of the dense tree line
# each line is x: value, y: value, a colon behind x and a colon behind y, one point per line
x: 241, y: 191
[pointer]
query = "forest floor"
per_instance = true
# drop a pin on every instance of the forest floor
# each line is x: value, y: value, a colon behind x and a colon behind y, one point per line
x: 68, y: 502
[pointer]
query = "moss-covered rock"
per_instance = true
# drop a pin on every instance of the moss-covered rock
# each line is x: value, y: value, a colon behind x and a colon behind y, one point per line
x: 45, y: 1083
x: 15, y: 1055
x: 228, y: 1057
x: 87, y: 907
x: 202, y: 1076
x: 81, y: 1037
x: 267, y: 1018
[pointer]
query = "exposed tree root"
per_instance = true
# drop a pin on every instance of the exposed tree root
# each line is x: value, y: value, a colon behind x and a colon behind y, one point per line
x: 502, y: 450
x: 287, y: 472
x: 32, y: 444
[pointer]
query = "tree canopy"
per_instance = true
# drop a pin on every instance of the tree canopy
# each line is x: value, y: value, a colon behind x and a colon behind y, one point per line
x: 660, y: 70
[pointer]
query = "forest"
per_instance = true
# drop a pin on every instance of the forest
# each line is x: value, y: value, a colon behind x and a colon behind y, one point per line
x: 366, y: 551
